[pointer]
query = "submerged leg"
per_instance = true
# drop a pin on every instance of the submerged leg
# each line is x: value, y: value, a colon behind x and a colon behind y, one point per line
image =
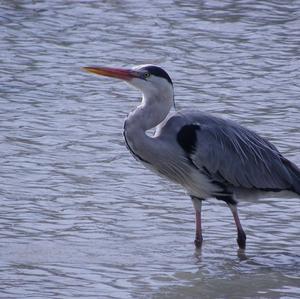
x: 241, y: 236
x: 197, y: 202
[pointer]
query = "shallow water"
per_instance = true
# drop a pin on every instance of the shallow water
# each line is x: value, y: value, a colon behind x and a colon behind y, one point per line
x: 79, y: 216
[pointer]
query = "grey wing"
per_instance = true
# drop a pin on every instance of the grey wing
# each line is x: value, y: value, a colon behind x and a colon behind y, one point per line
x: 234, y: 155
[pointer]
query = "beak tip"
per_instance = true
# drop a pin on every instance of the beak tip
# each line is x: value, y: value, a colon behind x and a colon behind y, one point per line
x: 123, y: 74
x: 90, y: 69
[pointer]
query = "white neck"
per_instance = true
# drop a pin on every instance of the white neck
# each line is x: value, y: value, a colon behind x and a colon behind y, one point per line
x: 149, y: 114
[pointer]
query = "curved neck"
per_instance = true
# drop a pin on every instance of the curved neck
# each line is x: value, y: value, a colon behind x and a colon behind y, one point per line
x: 146, y: 116
x: 149, y: 114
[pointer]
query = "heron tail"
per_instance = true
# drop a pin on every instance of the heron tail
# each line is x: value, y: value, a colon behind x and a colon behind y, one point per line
x: 294, y: 171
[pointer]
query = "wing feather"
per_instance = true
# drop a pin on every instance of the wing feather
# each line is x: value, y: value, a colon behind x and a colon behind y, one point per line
x: 238, y: 156
x: 227, y: 153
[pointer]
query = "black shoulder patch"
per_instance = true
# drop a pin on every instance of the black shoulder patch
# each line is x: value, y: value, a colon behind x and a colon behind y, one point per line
x: 158, y: 71
x: 187, y: 137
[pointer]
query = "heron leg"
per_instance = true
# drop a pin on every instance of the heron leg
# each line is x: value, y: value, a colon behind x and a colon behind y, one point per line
x: 197, y: 202
x: 241, y: 236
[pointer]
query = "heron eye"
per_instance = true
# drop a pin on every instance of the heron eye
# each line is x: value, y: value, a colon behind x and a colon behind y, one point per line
x: 146, y: 75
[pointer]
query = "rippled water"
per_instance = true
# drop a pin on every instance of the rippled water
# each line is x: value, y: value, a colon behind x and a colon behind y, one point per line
x: 79, y: 217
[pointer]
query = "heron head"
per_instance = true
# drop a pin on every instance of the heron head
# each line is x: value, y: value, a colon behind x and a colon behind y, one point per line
x: 151, y: 80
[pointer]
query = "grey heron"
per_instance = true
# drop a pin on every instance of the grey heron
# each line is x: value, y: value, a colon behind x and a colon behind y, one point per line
x: 210, y: 157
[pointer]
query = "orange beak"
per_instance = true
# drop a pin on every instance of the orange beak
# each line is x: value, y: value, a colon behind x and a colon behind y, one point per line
x: 123, y: 74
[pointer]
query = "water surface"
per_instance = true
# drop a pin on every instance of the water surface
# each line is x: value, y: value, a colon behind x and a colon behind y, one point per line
x: 79, y: 217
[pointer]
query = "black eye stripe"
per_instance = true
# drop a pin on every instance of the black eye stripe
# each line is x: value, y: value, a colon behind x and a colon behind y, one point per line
x: 157, y: 71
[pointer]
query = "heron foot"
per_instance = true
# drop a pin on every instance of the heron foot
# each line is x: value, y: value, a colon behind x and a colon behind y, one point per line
x: 241, y: 239
x: 198, y: 242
